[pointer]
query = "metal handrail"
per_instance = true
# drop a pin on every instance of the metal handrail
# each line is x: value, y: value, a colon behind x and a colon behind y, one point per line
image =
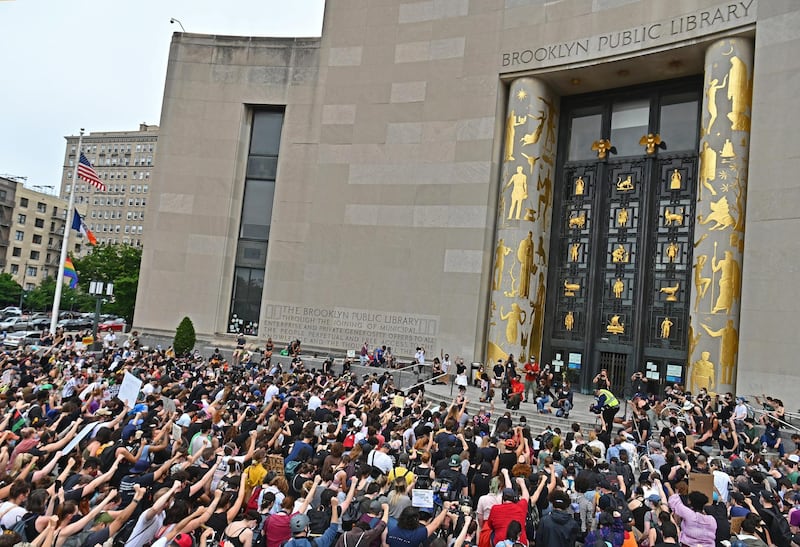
x: 766, y: 412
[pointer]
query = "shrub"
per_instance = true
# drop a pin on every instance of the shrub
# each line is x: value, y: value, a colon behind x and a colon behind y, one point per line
x: 184, y: 337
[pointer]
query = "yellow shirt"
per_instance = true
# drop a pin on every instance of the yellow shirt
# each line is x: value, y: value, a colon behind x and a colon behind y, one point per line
x: 400, y: 472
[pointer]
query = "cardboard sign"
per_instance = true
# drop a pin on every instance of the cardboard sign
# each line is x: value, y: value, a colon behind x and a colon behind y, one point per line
x: 421, y: 498
x: 702, y: 482
x: 129, y: 389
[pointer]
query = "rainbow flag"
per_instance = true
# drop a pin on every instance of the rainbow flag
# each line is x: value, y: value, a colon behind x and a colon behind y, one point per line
x: 70, y: 273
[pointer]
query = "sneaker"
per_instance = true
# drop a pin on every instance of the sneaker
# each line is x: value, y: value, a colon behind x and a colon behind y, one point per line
x: 763, y: 450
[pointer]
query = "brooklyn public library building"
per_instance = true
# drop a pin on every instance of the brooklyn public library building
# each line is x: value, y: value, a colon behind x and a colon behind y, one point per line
x: 598, y: 183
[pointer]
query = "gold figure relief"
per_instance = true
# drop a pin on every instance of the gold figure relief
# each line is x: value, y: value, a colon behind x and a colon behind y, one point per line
x: 711, y: 97
x: 708, y: 171
x: 672, y: 252
x: 673, y: 217
x: 525, y: 258
x: 541, y: 254
x: 579, y: 186
x: 624, y: 185
x: 615, y: 325
x: 533, y: 138
x: 729, y: 281
x: 619, y: 288
x: 570, y: 288
x: 602, y: 147
x: 701, y: 283
x: 622, y: 217
x: 515, y: 317
x: 531, y: 162
x: 729, y: 347
x: 578, y: 221
x: 675, y: 180
x: 693, y: 340
x: 569, y: 321
x: 720, y: 215
x: 702, y: 375
x: 512, y: 122
x: 518, y: 194
x: 650, y: 142
x: 499, y: 263
x: 530, y: 215
x: 727, y: 150
x: 545, y: 188
x: 574, y: 252
x: 671, y: 292
x: 620, y: 254
x: 537, y: 319
x: 666, y: 326
x: 512, y: 293
x: 552, y: 116
x: 739, y: 93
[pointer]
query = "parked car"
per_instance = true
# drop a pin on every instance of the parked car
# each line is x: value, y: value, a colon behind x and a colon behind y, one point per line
x: 39, y: 323
x: 117, y: 325
x: 13, y: 324
x: 22, y: 338
x: 76, y: 323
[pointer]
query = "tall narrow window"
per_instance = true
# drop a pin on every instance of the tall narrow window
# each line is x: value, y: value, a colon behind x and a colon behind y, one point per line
x: 256, y: 218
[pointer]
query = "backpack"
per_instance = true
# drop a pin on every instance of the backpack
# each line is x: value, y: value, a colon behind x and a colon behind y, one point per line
x: 291, y: 468
x: 621, y: 506
x: 319, y: 519
x: 423, y: 478
x: 626, y: 472
x: 532, y: 519
x: 107, y: 454
x: 253, y: 504
x: 353, y: 513
x: 779, y: 529
x: 260, y: 532
x: 600, y: 541
x: 77, y: 540
x: 444, y: 487
x: 20, y: 527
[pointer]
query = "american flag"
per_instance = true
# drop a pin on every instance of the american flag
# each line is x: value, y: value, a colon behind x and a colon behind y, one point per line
x: 87, y: 173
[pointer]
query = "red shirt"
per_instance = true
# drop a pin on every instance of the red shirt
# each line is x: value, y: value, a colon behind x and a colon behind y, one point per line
x: 531, y: 371
x: 501, y: 516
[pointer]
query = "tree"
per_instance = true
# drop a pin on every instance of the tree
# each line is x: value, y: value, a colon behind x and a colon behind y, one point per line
x: 9, y: 290
x: 117, y: 264
x: 185, y: 337
x: 41, y: 298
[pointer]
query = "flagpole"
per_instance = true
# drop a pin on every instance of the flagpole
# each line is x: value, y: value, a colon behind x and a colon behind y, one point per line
x: 65, y: 240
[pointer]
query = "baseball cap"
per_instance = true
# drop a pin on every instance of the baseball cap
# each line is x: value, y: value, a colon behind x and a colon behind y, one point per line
x: 654, y: 498
x: 183, y: 540
x: 794, y: 458
x: 455, y: 460
x: 509, y: 494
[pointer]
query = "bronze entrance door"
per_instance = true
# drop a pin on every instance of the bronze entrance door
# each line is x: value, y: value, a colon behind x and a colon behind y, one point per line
x: 623, y: 221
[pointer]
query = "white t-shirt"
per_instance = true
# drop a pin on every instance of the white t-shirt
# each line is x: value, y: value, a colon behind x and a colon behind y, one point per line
x: 314, y: 403
x: 270, y: 392
x: 722, y: 482
x: 12, y: 516
x: 420, y: 357
x: 145, y: 530
x: 380, y: 460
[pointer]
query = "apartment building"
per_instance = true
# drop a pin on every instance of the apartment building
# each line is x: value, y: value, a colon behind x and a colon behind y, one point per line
x: 124, y: 161
x: 35, y: 230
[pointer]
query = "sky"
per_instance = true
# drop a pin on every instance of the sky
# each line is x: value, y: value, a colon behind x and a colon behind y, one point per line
x: 101, y: 65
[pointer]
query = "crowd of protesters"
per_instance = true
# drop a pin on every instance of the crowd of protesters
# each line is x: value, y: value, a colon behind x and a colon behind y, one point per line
x: 249, y: 452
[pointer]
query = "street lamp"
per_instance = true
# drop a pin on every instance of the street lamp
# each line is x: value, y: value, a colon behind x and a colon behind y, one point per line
x: 96, y: 290
x: 172, y: 20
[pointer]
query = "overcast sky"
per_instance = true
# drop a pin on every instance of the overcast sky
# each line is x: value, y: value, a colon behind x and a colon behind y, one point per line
x: 100, y: 64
